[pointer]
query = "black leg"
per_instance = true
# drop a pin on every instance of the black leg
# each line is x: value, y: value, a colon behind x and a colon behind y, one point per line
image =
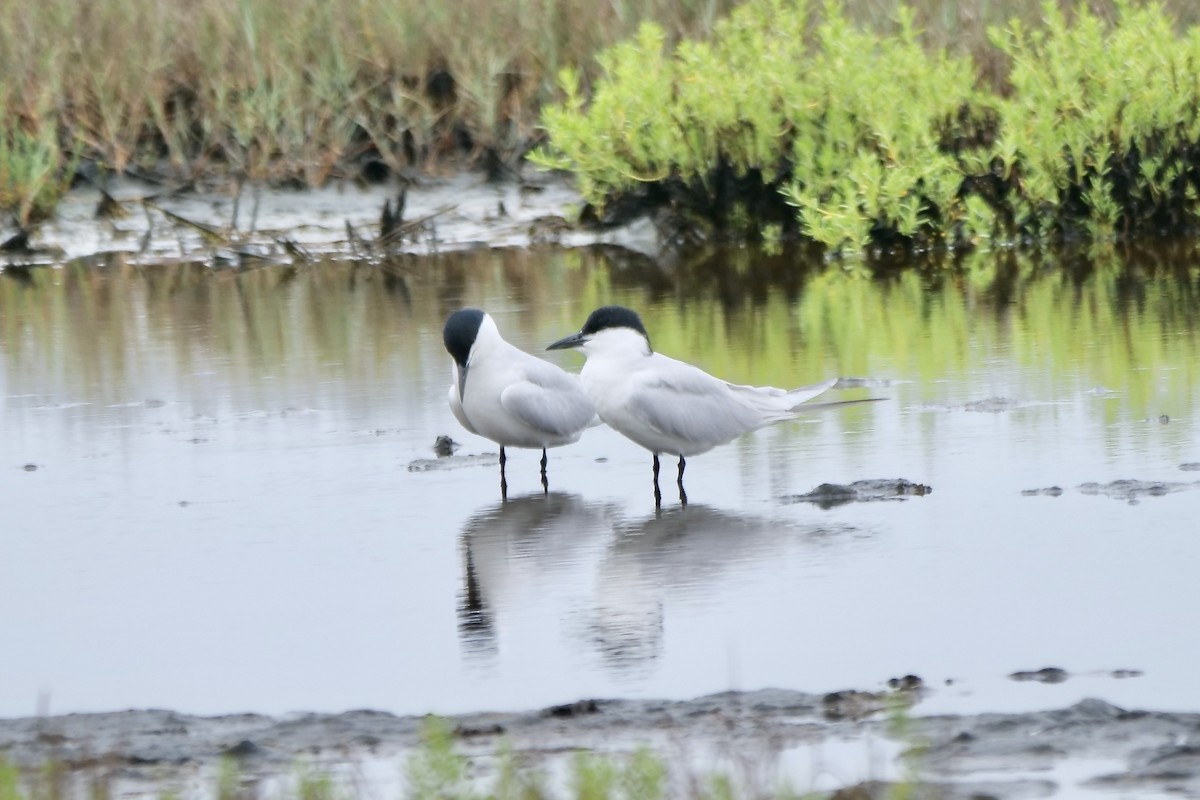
x: 657, y: 493
x: 682, y: 493
x: 503, y: 480
x: 545, y: 482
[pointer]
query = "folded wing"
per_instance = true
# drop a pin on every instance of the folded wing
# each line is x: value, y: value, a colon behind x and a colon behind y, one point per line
x: 550, y: 401
x: 694, y: 407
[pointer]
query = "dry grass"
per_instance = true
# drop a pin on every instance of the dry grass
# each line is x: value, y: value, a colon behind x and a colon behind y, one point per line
x: 296, y: 89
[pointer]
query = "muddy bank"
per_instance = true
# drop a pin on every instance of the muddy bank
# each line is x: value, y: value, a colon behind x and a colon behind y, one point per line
x: 152, y: 223
x: 1092, y: 746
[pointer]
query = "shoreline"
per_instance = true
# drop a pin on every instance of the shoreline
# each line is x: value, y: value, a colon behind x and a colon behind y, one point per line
x: 1011, y: 755
x: 458, y: 212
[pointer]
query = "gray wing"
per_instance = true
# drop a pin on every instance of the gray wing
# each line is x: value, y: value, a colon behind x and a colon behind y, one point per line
x: 549, y: 400
x: 689, y: 404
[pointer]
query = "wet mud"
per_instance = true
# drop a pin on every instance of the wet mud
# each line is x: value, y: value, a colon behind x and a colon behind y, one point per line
x: 1013, y: 755
x: 1132, y: 491
x: 829, y: 495
x: 154, y: 224
x: 1128, y: 489
x: 453, y: 462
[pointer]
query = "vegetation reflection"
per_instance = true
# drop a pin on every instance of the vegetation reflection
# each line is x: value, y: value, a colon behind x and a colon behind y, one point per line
x: 1054, y: 323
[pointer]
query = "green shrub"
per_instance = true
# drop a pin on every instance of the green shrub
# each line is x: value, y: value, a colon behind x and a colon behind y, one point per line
x: 878, y: 142
x: 1101, y: 130
x: 882, y: 128
x: 847, y: 128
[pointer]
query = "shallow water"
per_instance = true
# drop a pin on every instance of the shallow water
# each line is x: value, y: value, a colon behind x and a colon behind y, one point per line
x: 209, y: 506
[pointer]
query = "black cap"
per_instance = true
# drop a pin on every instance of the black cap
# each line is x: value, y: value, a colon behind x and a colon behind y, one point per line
x: 460, y: 331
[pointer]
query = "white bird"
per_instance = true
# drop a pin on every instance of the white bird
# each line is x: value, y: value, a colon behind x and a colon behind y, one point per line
x: 508, y: 396
x: 665, y: 405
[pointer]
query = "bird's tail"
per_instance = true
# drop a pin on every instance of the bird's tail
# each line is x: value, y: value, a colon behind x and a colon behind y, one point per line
x: 836, y: 404
x: 805, y: 393
x: 779, y: 404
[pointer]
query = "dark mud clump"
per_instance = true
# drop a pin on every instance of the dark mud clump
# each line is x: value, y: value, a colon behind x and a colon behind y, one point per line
x: 1132, y: 490
x: 829, y: 495
x: 1043, y: 675
x: 574, y: 709
x: 1049, y: 491
x: 854, y: 704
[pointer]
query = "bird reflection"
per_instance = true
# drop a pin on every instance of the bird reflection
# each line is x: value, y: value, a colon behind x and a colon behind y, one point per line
x: 523, y: 547
x: 678, y: 554
x: 475, y: 626
x: 608, y: 582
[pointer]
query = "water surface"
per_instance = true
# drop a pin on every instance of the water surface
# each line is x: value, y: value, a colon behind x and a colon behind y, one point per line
x: 209, y: 506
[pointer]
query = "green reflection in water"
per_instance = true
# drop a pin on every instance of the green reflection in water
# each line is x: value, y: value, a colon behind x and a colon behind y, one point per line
x: 1128, y: 328
x: 96, y: 331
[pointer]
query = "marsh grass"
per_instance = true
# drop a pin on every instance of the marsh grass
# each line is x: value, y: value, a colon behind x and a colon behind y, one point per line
x: 290, y: 93
x: 229, y: 781
x: 438, y: 771
x: 295, y: 92
x: 10, y: 781
x: 54, y: 780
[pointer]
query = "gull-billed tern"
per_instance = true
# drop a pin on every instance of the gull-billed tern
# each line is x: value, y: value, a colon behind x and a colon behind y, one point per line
x: 668, y: 406
x: 506, y: 395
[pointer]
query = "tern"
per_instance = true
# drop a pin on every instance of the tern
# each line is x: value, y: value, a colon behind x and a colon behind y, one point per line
x: 506, y: 395
x: 669, y: 406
